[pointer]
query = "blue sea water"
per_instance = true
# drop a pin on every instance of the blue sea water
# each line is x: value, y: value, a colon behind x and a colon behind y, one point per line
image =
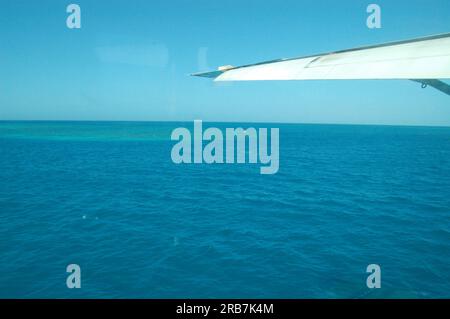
x: 106, y: 196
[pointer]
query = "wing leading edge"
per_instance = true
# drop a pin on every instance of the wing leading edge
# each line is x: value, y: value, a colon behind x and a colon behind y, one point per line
x: 423, y: 60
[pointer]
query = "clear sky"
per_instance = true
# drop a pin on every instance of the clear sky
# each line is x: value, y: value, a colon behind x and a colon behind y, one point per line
x: 131, y: 60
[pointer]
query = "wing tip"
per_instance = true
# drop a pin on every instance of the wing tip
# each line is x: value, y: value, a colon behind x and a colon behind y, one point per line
x: 210, y: 74
x: 214, y: 74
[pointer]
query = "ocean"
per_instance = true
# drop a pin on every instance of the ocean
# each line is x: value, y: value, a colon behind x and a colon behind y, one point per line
x: 107, y: 196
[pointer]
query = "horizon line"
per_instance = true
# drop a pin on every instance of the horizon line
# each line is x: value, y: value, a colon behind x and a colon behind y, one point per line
x: 244, y: 122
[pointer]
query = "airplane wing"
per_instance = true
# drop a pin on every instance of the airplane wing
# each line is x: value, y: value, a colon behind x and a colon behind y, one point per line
x: 424, y: 60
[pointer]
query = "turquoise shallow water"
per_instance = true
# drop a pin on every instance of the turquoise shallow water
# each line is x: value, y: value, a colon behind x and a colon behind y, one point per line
x: 108, y: 197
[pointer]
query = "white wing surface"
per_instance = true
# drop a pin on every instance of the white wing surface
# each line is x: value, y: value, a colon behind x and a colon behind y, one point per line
x: 418, y: 59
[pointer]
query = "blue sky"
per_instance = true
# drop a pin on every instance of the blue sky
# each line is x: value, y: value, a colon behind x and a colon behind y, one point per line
x: 131, y: 60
